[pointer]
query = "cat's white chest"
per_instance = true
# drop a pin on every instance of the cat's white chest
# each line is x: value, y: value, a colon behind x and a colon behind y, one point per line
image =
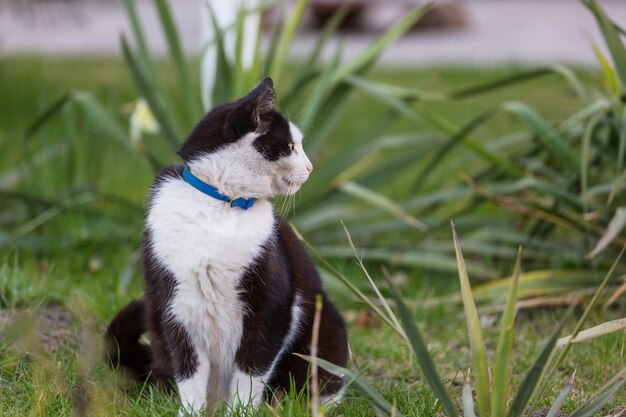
x: 207, y: 246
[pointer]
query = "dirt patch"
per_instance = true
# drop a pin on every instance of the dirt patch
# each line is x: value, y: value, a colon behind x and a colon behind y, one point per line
x: 48, y: 327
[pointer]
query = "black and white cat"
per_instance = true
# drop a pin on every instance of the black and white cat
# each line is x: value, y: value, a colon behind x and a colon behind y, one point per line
x: 229, y: 289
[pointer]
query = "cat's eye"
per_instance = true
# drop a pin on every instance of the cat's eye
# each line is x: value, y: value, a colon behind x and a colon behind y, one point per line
x: 292, y: 146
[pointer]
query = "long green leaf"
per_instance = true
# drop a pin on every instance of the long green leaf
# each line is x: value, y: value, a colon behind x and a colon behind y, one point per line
x: 46, y: 216
x: 155, y: 102
x: 399, y: 104
x: 573, y: 80
x: 421, y: 353
x: 105, y: 121
x: 537, y: 283
x: 585, y: 158
x: 423, y: 258
x: 621, y: 151
x: 531, y: 381
x: 593, y: 332
x: 43, y: 119
x: 278, y: 62
x: 346, y: 281
x: 477, y: 344
x: 547, y: 135
x: 590, y: 306
x: 371, y: 54
x: 176, y: 52
x: 610, y: 78
x: 591, y: 408
x: 381, y: 201
x: 615, y: 227
x: 140, y: 40
x: 610, y: 383
x: 612, y: 39
x: 412, y: 94
x: 459, y: 137
x: 357, y: 382
x: 329, y: 30
x: 313, y: 103
x: 222, y: 89
x: 502, y: 365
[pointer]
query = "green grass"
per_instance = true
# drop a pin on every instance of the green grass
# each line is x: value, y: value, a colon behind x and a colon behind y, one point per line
x: 92, y: 281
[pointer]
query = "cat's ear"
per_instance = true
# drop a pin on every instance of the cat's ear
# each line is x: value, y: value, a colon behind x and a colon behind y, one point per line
x: 252, y: 113
x: 262, y: 99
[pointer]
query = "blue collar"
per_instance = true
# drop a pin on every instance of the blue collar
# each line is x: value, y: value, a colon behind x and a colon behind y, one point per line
x: 198, y: 184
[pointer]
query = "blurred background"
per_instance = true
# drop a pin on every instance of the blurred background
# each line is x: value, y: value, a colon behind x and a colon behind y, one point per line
x: 459, y: 32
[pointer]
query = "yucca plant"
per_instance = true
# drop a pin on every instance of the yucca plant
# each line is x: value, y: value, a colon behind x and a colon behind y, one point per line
x: 491, y: 383
x: 557, y: 188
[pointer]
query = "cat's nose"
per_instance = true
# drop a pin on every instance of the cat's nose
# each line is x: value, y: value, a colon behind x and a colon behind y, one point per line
x: 309, y: 167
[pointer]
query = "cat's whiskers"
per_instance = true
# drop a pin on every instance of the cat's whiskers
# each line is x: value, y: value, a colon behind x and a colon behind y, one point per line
x: 283, y: 205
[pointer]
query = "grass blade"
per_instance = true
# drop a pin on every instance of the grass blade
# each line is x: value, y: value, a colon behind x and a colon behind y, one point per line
x: 548, y: 136
x: 477, y: 344
x: 467, y: 398
x: 421, y: 353
x: 357, y: 382
x: 558, y: 403
x: 616, y: 225
x: 591, y: 305
x: 373, y: 285
x: 593, y: 332
x: 573, y: 80
x: 502, y: 366
x: 617, y: 377
x: 348, y: 283
x: 591, y: 408
x: 529, y: 385
x: 50, y: 112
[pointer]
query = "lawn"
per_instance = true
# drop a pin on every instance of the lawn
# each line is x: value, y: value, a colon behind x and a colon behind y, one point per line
x: 66, y: 294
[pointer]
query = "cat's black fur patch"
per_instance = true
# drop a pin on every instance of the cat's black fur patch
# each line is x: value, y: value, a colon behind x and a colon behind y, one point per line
x: 230, y: 122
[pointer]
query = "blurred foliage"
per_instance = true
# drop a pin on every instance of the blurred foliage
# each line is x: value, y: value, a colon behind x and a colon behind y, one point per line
x: 556, y: 188
x: 492, y: 382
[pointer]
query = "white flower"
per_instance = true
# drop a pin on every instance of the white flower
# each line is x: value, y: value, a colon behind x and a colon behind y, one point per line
x: 142, y: 121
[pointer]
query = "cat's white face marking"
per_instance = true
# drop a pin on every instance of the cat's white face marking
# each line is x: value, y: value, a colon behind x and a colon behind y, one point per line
x: 240, y: 170
x: 292, y: 171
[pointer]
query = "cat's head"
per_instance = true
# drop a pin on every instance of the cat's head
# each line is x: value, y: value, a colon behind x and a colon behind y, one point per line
x: 248, y: 149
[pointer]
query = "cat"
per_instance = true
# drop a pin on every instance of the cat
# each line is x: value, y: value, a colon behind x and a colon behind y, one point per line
x: 229, y: 289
